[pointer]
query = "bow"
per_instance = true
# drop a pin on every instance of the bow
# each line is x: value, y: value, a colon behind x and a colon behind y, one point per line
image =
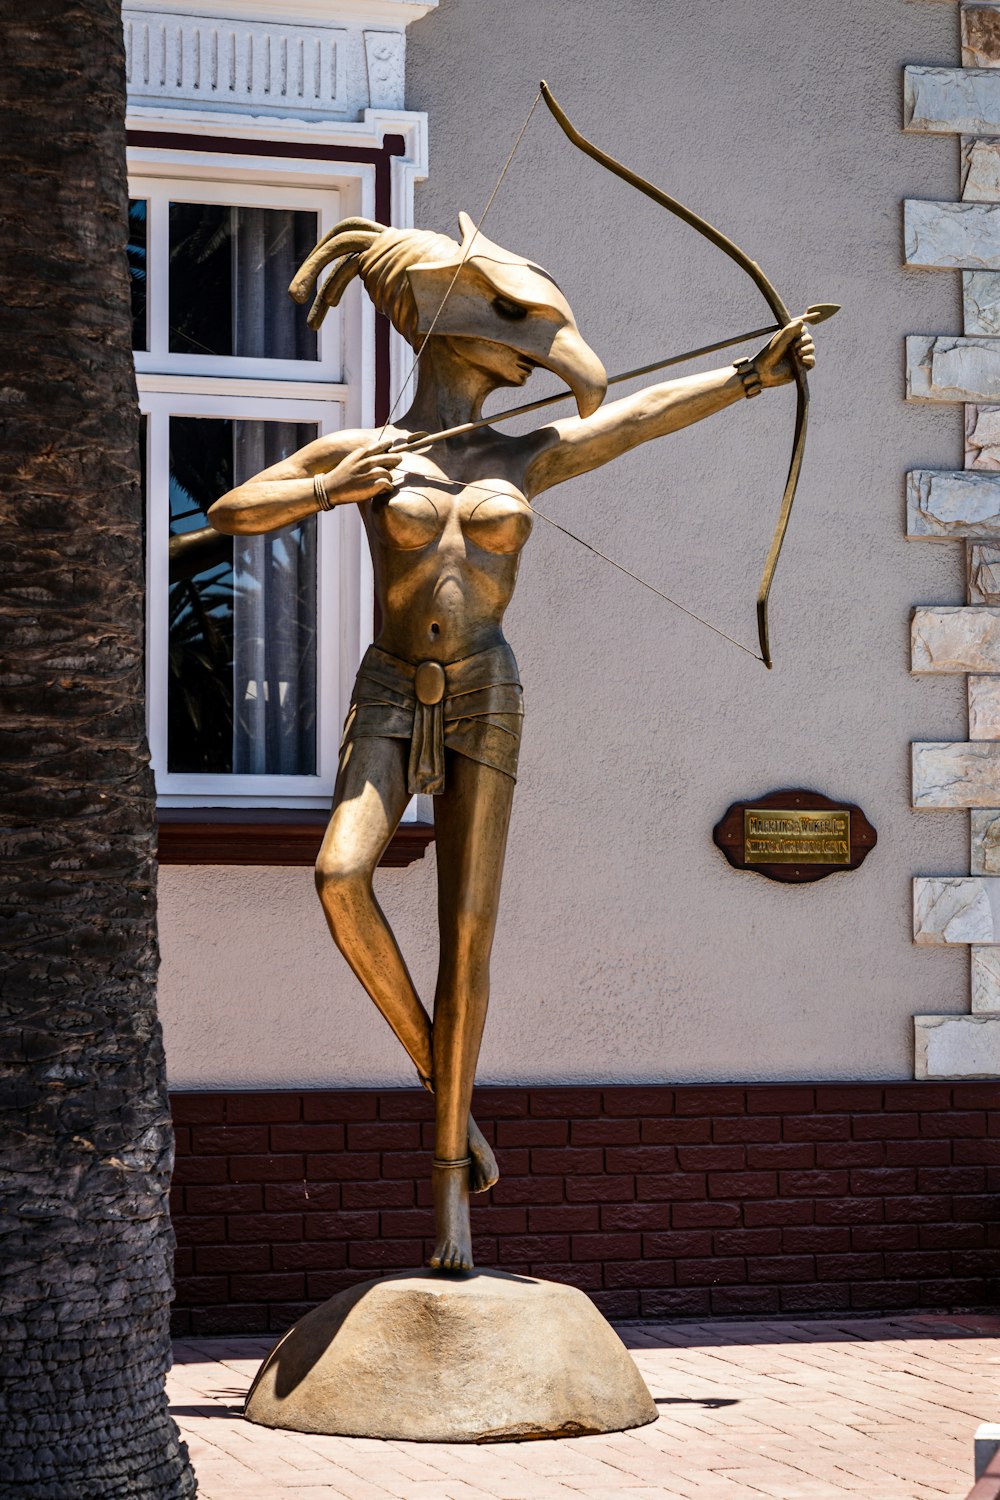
x: 774, y: 302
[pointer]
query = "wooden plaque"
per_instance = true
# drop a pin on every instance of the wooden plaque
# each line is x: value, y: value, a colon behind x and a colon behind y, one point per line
x: 795, y: 835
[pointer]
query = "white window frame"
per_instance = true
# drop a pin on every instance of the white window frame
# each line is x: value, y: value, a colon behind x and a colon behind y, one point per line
x: 234, y: 387
x: 336, y: 543
x: 159, y: 193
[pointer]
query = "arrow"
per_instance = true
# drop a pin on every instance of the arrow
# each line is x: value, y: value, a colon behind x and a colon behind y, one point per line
x: 818, y: 313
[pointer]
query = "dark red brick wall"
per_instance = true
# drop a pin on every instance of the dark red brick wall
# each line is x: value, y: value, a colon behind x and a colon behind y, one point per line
x: 659, y: 1202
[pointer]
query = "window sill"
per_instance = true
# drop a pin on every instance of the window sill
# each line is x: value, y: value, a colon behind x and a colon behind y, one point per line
x: 262, y: 836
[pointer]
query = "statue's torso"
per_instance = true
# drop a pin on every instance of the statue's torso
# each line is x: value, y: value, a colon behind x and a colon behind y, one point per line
x: 446, y: 555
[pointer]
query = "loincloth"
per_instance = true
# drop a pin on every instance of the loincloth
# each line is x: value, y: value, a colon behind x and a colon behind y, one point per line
x: 472, y: 706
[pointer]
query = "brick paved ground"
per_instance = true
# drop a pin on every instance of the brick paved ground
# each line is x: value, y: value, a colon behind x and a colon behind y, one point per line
x: 875, y: 1409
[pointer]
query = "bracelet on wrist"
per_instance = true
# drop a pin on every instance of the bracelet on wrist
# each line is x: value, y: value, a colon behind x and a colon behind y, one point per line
x: 319, y: 490
x: 747, y: 370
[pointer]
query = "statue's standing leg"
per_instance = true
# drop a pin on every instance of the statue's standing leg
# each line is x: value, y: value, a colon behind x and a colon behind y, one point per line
x: 369, y: 801
x: 471, y: 818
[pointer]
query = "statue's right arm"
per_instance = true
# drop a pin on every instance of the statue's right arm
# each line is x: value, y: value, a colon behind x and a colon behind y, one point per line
x: 578, y: 444
x: 353, y: 469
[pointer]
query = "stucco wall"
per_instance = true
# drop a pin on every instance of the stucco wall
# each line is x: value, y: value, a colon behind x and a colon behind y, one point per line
x: 628, y: 949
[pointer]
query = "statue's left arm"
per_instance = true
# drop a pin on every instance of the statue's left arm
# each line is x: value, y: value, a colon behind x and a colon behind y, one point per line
x: 579, y: 444
x: 342, y: 468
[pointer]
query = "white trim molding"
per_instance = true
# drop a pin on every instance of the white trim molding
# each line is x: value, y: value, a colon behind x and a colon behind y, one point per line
x: 231, y: 63
x: 321, y: 12
x: 370, y: 130
x: 324, y: 61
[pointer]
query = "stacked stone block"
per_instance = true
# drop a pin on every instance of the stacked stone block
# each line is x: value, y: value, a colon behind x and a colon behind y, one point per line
x: 962, y: 506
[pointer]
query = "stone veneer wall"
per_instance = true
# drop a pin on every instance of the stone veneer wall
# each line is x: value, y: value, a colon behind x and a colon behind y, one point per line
x: 963, y: 506
x: 666, y: 1202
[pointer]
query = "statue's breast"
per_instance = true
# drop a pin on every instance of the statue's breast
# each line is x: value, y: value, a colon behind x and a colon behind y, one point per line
x: 495, y: 518
x: 491, y: 515
x: 408, y: 519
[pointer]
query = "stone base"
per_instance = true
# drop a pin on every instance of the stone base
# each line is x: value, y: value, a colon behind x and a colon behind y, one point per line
x: 452, y: 1359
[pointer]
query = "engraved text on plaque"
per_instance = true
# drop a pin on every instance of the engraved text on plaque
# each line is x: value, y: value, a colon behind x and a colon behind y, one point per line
x: 783, y: 836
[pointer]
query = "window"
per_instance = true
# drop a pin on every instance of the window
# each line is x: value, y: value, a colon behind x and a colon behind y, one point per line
x: 251, y: 641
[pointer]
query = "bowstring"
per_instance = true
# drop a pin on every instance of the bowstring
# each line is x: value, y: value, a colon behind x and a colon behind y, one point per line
x: 465, y: 255
x: 486, y: 493
x: 642, y: 581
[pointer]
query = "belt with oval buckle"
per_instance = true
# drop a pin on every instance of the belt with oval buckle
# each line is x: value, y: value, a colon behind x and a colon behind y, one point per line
x: 429, y: 682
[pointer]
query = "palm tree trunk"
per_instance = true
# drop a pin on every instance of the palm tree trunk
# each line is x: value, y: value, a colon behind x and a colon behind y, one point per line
x: 86, y: 1243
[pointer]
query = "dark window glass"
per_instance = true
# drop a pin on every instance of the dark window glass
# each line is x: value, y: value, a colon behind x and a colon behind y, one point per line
x: 136, y: 251
x: 229, y: 274
x: 241, y: 693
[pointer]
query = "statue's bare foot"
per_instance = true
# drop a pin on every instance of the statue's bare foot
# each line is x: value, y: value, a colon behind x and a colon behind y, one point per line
x: 453, y: 1249
x: 483, y: 1172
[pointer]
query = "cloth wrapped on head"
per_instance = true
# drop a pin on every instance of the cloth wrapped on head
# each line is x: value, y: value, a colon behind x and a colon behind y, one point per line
x: 426, y: 282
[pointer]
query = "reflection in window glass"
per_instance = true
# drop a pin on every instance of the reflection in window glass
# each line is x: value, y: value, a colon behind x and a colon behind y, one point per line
x: 241, y: 693
x: 229, y: 274
x: 136, y: 251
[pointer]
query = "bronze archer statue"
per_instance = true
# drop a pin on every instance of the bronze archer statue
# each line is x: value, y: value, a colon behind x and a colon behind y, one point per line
x: 437, y: 703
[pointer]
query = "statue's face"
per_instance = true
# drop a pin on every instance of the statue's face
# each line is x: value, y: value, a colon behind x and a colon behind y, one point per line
x: 500, y: 299
x: 506, y: 365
